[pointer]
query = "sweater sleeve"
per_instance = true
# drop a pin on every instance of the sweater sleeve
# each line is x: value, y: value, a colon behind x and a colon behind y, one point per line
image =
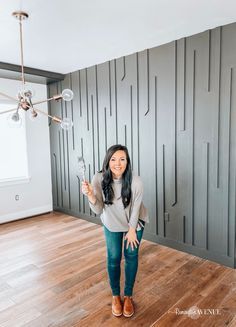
x: 136, y: 203
x: 97, y: 207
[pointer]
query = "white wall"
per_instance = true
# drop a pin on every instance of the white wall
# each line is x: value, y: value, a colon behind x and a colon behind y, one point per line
x: 35, y: 196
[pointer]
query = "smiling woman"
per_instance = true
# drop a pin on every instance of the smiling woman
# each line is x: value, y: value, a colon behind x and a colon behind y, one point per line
x: 13, y: 149
x: 116, y: 193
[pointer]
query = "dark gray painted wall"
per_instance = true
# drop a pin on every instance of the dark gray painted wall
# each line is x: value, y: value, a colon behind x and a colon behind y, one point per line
x: 174, y: 107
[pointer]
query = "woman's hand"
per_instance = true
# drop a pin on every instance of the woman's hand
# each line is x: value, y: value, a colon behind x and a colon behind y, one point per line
x: 131, y: 238
x: 87, y: 190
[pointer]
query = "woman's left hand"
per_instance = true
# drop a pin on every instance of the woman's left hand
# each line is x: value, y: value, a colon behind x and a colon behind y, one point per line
x: 131, y: 238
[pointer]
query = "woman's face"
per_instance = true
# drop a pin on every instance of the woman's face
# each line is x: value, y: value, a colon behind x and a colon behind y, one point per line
x: 118, y: 163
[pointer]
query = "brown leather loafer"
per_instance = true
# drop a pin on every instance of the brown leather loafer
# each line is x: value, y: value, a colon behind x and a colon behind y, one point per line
x: 128, y: 308
x: 116, y: 307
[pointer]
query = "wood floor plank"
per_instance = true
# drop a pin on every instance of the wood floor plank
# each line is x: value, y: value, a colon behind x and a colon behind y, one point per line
x: 22, y: 319
x: 193, y: 295
x: 53, y: 274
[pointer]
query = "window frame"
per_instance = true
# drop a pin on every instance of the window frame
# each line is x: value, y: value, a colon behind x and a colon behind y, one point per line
x: 18, y: 179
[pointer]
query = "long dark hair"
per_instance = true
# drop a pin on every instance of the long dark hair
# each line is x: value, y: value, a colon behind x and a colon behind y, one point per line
x: 108, y: 180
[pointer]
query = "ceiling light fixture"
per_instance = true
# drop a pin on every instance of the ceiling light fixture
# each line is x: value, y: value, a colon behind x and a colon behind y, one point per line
x: 25, y: 94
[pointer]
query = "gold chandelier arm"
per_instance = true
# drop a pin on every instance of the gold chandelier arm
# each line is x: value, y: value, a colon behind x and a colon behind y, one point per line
x: 55, y: 97
x: 21, y: 52
x: 8, y: 96
x: 9, y: 110
x: 54, y: 118
x: 20, y: 16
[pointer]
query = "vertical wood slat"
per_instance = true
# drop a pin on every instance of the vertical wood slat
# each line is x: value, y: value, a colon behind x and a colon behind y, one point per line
x: 93, y: 137
x: 80, y: 96
x: 124, y: 67
x: 148, y: 84
x: 180, y: 83
x: 125, y: 130
x: 116, y: 109
x: 79, y: 193
x: 163, y: 189
x: 185, y: 72
x: 138, y: 132
x: 87, y: 104
x: 219, y: 110
x: 59, y: 141
x: 64, y: 152
x: 184, y: 229
x: 206, y: 192
x: 97, y: 112
x: 64, y: 158
x: 68, y: 169
x: 89, y: 177
x: 56, y: 178
x: 109, y: 67
x: 82, y: 155
x: 209, y: 62
x: 174, y: 161
x: 131, y: 125
x: 156, y: 159
x: 105, y: 129
x: 72, y: 116
x: 229, y: 159
x: 193, y: 145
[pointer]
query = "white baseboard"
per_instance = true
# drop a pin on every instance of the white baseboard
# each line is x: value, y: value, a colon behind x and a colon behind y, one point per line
x: 25, y: 213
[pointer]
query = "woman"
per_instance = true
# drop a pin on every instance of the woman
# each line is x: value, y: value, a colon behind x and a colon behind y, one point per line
x: 117, y: 194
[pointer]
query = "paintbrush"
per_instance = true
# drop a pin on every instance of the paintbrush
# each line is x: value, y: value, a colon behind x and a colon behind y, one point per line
x: 81, y: 170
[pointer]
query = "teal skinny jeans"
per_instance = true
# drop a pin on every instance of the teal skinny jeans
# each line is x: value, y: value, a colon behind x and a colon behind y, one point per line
x: 114, y: 243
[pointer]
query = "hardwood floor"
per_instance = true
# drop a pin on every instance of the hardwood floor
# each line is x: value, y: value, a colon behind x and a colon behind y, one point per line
x: 53, y: 273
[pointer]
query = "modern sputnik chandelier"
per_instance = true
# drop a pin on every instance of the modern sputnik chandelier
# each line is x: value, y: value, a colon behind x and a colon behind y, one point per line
x: 25, y: 94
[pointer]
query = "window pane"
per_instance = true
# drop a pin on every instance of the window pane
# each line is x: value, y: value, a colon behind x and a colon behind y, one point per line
x: 13, y: 147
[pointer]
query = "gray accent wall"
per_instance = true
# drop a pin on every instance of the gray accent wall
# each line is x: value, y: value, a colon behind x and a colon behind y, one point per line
x: 174, y: 106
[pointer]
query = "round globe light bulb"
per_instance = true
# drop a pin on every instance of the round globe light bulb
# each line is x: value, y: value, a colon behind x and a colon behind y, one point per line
x: 67, y: 95
x: 14, y: 120
x: 26, y: 91
x: 66, y: 124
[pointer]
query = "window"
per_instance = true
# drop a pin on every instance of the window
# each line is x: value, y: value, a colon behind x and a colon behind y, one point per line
x: 13, y: 148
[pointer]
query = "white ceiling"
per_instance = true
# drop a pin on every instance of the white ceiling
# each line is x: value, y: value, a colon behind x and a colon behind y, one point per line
x: 64, y: 36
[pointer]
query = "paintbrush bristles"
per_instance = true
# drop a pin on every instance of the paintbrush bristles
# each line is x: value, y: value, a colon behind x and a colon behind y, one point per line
x: 82, y: 168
